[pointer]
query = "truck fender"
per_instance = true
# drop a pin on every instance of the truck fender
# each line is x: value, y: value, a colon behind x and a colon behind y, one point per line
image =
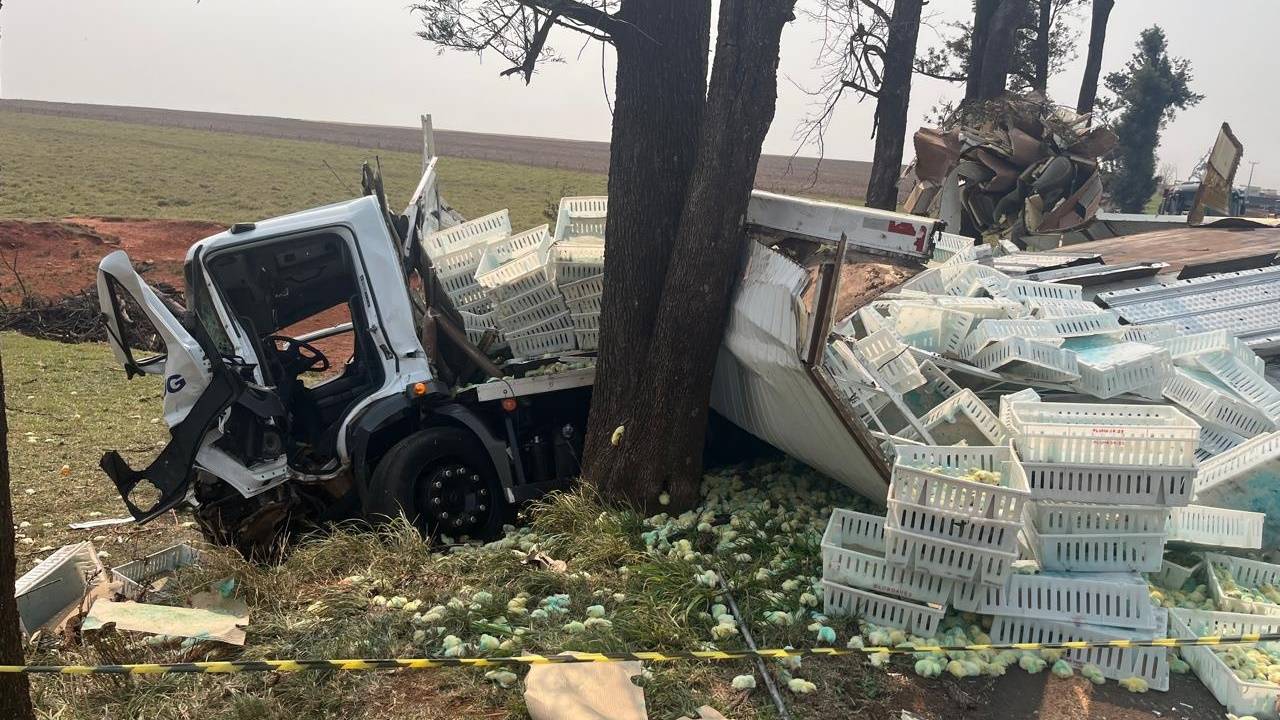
x: 496, y: 448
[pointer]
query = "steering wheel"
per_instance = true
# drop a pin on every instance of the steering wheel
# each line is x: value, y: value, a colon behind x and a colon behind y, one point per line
x: 298, y: 356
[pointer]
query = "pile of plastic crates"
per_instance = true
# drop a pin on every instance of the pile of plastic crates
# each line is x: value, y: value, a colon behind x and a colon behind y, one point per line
x: 533, y: 316
x: 577, y: 257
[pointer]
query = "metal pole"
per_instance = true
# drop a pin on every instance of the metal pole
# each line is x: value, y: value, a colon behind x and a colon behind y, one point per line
x: 1248, y: 185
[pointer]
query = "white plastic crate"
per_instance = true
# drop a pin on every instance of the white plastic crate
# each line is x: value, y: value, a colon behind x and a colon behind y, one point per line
x: 990, y: 331
x: 503, y: 250
x: 914, y: 480
x: 1111, y: 599
x: 576, y: 261
x: 584, y: 289
x: 971, y: 279
x: 1024, y: 395
x: 853, y: 555
x: 892, y: 361
x: 1206, y: 396
x: 458, y: 269
x: 1074, y: 326
x: 955, y: 560
x: 938, y: 387
x: 534, y: 316
x: 1149, y: 663
x: 1058, y: 518
x: 473, y: 299
x: 477, y: 324
x: 1032, y: 359
x: 932, y: 328
x: 589, y: 306
x: 914, y: 618
x: 582, y: 217
x: 1109, y: 368
x: 589, y: 321
x: 538, y: 296
x: 984, y: 533
x: 1189, y: 348
x: 1098, y: 552
x: 517, y: 277
x: 1113, y: 484
x: 1239, y: 696
x: 1244, y: 380
x: 587, y: 339
x: 553, y: 336
x: 947, y: 245
x: 1237, y: 463
x: 468, y: 234
x: 1214, y: 441
x: 1249, y: 573
x: 133, y: 576
x: 1027, y: 290
x: 1173, y: 576
x: 1218, y: 527
x: 1102, y: 434
x: 961, y: 418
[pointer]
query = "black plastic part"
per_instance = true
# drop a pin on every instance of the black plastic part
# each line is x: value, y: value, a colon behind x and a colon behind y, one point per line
x: 172, y: 471
x: 242, y: 228
x: 379, y: 415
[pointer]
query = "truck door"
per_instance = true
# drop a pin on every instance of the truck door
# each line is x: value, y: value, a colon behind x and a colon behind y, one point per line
x: 148, y: 339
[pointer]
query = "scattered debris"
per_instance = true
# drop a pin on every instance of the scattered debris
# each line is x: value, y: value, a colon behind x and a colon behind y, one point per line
x: 585, y: 692
x: 104, y: 522
x: 135, y: 577
x: 211, y: 617
x: 51, y: 590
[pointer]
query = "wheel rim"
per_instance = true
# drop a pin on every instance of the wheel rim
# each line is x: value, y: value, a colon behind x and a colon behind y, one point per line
x: 453, y: 499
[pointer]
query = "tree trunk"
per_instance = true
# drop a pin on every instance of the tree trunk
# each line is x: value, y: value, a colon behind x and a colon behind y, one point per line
x: 892, y: 104
x: 15, y: 691
x: 1093, y: 62
x: 997, y: 51
x: 1044, y: 26
x: 982, y: 12
x: 661, y: 449
x: 660, y: 91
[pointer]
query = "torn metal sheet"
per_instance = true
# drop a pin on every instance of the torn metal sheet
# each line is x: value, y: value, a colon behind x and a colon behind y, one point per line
x: 215, y: 618
x: 762, y: 386
x: 1098, y: 274
x: 865, y: 228
x: 1219, y: 173
x: 48, y: 590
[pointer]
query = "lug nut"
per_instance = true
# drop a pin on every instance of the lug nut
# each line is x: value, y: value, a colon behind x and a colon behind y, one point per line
x: 484, y: 493
x: 435, y: 501
x: 475, y: 478
x: 481, y: 508
x: 437, y: 485
x: 473, y: 519
x: 448, y: 473
x: 457, y: 523
x: 444, y: 516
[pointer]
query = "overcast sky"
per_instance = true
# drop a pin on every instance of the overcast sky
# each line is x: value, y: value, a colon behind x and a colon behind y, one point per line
x: 359, y: 61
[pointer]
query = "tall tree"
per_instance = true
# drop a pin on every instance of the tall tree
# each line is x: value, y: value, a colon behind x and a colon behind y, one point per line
x: 15, y: 691
x: 1037, y: 54
x: 682, y: 158
x: 869, y: 50
x: 1146, y: 95
x: 996, y: 50
x: 1093, y: 61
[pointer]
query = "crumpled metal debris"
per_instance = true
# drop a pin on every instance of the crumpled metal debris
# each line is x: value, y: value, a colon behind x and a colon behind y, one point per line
x: 1011, y: 167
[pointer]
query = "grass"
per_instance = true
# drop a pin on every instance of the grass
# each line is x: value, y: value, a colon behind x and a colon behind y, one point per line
x: 53, y: 167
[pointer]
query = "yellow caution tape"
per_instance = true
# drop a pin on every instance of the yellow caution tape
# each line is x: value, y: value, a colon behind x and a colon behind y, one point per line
x: 581, y: 657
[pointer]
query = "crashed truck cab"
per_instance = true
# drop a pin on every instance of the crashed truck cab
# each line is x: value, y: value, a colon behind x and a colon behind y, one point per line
x: 248, y: 397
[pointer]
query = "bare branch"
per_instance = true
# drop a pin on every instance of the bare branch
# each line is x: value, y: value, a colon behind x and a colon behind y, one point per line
x: 536, y: 44
x: 879, y: 11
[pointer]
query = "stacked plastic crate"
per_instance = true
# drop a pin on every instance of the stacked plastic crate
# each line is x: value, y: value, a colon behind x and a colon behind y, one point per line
x: 456, y: 251
x: 515, y: 272
x: 578, y: 263
x: 1103, y: 479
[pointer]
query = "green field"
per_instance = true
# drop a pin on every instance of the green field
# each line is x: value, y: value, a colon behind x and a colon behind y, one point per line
x: 52, y: 167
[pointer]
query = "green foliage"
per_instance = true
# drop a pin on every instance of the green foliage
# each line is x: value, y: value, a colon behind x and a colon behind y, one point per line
x: 1147, y: 94
x: 52, y: 167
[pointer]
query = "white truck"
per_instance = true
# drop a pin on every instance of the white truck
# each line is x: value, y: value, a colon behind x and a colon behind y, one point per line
x: 266, y: 437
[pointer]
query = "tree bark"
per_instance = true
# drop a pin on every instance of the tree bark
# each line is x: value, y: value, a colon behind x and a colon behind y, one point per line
x: 892, y: 104
x: 661, y: 93
x: 661, y: 449
x: 982, y: 12
x: 1093, y: 62
x: 15, y: 690
x: 1044, y: 26
x: 997, y: 50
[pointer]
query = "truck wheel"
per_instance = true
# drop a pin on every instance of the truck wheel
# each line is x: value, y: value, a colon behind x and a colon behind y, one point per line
x: 441, y: 479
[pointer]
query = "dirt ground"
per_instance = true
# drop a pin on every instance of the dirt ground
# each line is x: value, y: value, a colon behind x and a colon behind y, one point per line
x: 829, y: 178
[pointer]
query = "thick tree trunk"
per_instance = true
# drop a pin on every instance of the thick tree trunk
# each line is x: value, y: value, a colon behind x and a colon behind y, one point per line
x: 661, y: 449
x: 661, y: 92
x: 982, y: 12
x: 1044, y: 26
x: 15, y: 691
x: 997, y: 51
x: 1093, y: 62
x: 892, y: 104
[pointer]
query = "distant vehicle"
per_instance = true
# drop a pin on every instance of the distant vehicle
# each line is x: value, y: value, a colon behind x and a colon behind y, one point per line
x: 1178, y: 199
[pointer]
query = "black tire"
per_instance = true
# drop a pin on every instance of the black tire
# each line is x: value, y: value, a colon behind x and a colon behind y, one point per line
x: 443, y: 482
